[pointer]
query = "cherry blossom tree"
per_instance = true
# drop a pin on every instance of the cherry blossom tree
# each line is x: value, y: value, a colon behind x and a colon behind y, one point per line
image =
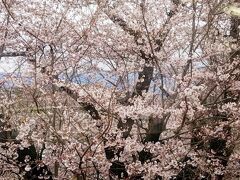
x: 126, y: 89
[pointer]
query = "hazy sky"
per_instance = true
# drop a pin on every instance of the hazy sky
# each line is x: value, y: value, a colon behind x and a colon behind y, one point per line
x: 9, y: 65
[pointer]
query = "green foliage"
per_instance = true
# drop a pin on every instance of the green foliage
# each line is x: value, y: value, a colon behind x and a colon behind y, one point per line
x: 232, y: 10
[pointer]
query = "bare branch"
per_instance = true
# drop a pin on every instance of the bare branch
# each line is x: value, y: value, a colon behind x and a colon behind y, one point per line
x: 13, y: 54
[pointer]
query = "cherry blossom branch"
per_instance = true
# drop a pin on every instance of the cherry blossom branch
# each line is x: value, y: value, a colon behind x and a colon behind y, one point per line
x: 119, y: 21
x: 88, y: 107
